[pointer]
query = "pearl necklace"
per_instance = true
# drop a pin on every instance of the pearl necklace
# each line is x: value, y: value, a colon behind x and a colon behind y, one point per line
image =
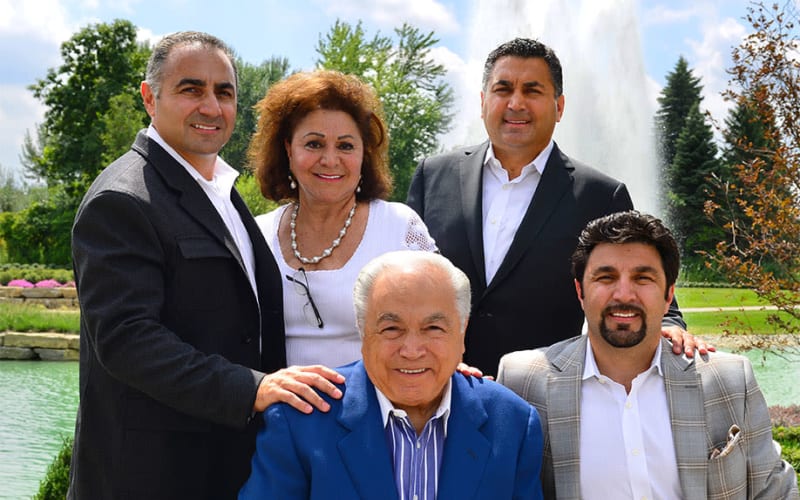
x: 327, y: 252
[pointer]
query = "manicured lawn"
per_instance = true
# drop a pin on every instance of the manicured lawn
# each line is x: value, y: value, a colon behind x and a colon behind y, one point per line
x: 712, y: 322
x: 717, y: 297
x: 22, y: 318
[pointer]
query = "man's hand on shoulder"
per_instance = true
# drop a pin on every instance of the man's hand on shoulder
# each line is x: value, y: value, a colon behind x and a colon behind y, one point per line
x: 685, y: 342
x: 298, y: 386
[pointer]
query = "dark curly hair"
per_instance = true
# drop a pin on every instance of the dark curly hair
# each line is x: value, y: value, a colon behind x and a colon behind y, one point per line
x: 628, y: 227
x: 289, y: 101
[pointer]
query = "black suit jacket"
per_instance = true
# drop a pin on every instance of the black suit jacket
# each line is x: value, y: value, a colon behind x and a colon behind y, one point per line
x: 170, y: 334
x: 531, y: 300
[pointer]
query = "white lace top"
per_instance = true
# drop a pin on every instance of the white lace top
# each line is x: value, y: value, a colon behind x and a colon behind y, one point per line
x: 390, y: 226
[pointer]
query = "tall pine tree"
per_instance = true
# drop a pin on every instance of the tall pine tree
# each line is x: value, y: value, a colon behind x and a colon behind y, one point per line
x: 690, y: 179
x: 681, y: 92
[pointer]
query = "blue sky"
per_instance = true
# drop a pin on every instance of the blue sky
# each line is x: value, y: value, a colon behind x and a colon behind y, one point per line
x: 616, y: 53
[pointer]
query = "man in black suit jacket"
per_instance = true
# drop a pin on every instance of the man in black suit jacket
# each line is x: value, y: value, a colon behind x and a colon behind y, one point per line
x: 181, y: 309
x: 508, y: 212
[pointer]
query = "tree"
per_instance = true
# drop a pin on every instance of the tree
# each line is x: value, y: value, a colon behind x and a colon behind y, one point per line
x: 681, y: 92
x: 690, y: 174
x: 100, y: 62
x: 760, y: 208
x: 416, y: 101
x: 120, y: 123
x: 254, y: 80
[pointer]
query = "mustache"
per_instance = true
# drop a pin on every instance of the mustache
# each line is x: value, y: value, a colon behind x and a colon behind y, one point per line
x: 622, y: 308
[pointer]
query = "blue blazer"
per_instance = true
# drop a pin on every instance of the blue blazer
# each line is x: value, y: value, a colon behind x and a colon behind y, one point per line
x: 493, y: 447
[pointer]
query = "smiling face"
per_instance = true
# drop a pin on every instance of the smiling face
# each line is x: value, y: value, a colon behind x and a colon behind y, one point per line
x: 519, y: 108
x: 325, y: 155
x: 195, y: 111
x: 413, y: 338
x: 623, y: 294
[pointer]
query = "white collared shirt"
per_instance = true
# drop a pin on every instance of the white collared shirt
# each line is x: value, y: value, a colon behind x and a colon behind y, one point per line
x: 626, y: 445
x: 387, y: 407
x: 218, y: 191
x: 505, y: 203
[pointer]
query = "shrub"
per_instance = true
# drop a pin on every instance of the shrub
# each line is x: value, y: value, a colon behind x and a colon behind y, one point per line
x: 35, y: 273
x: 56, y: 482
x: 789, y: 439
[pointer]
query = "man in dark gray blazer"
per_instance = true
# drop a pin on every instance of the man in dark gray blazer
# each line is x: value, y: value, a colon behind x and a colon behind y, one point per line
x: 508, y: 212
x: 181, y: 310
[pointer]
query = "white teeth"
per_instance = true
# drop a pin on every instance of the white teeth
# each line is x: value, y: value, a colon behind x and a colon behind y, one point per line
x: 419, y: 370
x: 330, y: 176
x: 204, y: 127
x: 625, y: 315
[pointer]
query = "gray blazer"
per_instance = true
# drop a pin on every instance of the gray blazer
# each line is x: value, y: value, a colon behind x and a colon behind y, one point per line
x: 705, y: 399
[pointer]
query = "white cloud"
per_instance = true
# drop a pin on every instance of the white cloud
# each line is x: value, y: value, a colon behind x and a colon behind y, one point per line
x: 44, y: 19
x: 19, y: 112
x: 712, y: 57
x: 424, y: 14
x: 661, y: 14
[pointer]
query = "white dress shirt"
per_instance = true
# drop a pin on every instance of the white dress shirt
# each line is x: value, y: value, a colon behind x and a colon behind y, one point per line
x: 626, y: 445
x: 218, y: 191
x: 505, y: 203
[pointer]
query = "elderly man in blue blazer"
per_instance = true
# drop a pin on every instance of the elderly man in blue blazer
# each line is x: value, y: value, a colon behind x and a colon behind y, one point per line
x: 623, y: 417
x: 407, y: 425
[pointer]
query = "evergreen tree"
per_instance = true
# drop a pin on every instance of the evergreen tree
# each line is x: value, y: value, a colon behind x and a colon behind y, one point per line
x: 749, y: 132
x: 415, y: 99
x: 690, y: 179
x: 681, y: 92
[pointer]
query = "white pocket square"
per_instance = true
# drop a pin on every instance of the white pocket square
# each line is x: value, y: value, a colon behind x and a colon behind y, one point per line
x: 734, y: 433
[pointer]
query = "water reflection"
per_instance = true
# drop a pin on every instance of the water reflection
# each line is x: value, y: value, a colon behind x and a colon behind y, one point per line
x: 39, y: 400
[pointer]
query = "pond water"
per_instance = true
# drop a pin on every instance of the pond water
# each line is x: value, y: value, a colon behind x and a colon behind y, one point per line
x: 39, y: 400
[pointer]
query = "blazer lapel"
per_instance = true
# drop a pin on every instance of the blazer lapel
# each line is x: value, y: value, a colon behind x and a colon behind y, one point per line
x: 563, y: 418
x: 555, y: 181
x: 687, y: 415
x: 471, y: 182
x: 466, y: 449
x: 364, y: 451
x: 191, y: 196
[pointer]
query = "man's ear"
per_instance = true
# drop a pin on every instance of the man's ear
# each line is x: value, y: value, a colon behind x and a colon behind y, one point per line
x: 149, y: 99
x: 669, y: 297
x: 579, y: 291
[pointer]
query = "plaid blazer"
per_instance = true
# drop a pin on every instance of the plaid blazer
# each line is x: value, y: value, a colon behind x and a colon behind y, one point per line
x: 705, y: 399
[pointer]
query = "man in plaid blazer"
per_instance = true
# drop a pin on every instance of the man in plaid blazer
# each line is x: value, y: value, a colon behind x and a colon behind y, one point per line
x: 623, y: 417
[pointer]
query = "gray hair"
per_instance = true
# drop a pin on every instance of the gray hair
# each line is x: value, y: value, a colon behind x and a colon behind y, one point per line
x: 155, y: 66
x: 393, y: 260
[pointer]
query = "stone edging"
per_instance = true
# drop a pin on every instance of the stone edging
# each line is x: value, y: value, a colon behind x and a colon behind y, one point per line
x: 49, y: 346
x: 51, y: 298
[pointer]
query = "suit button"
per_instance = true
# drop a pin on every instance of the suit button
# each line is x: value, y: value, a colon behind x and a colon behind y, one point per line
x: 247, y: 339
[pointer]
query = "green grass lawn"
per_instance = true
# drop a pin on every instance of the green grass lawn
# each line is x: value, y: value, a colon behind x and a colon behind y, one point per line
x: 30, y: 318
x: 717, y: 297
x: 714, y: 322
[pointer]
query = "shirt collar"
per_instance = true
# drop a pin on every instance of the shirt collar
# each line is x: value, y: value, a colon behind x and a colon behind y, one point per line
x: 224, y: 175
x: 443, y: 411
x: 538, y: 163
x: 590, y: 369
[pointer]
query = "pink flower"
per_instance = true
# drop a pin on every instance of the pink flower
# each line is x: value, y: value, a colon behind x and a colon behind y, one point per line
x: 48, y: 284
x: 20, y: 283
